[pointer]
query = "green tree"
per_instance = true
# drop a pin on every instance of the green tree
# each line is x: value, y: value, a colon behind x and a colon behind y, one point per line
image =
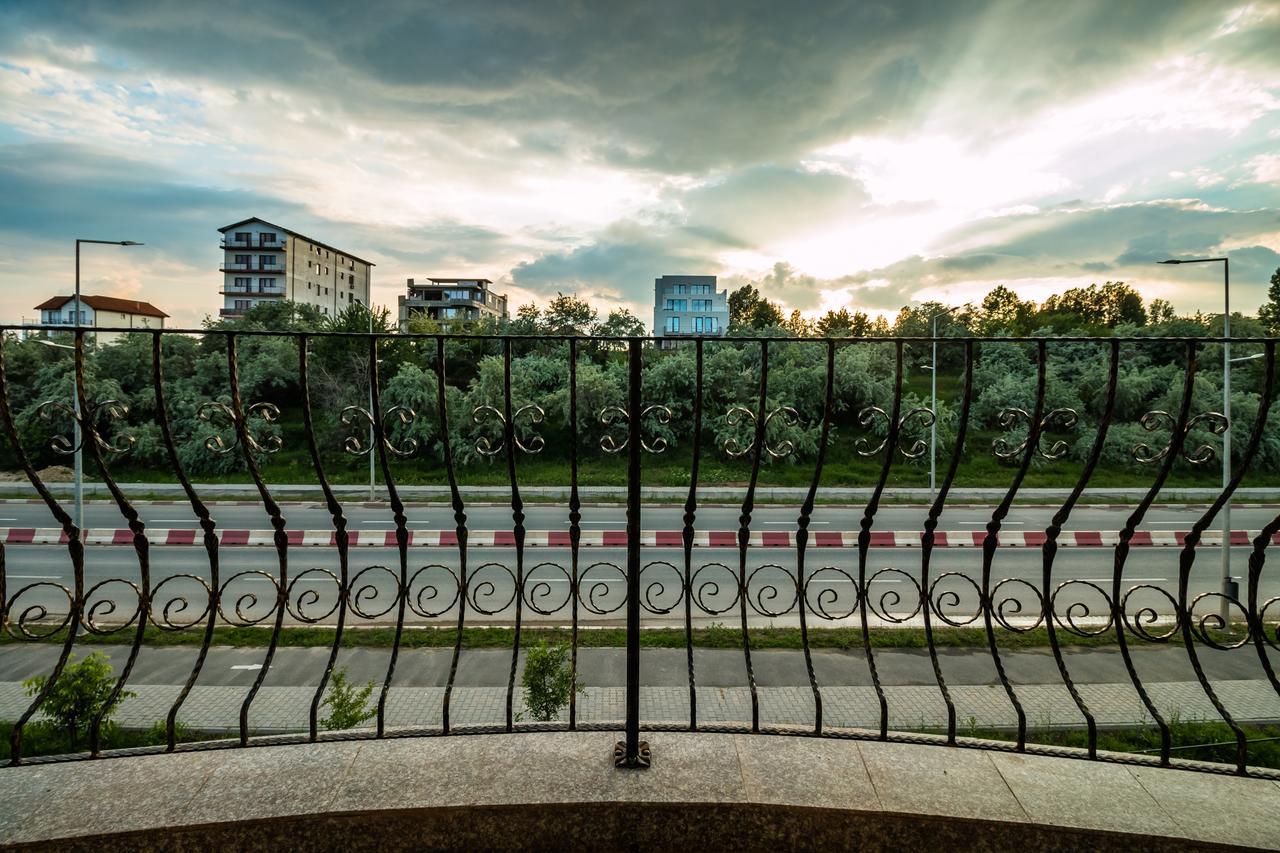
x: 748, y: 309
x: 547, y: 680
x: 620, y: 323
x: 80, y: 694
x: 568, y: 315
x: 1269, y: 313
x: 347, y: 704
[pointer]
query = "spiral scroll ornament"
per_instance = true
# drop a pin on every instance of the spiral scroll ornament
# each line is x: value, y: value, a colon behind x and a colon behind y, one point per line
x: 96, y: 413
x: 1152, y: 421
x: 611, y: 416
x: 787, y: 415
x: 869, y: 415
x: 266, y: 412
x: 356, y: 447
x: 526, y: 444
x: 1059, y: 419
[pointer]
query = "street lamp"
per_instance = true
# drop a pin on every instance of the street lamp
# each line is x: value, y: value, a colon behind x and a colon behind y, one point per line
x: 75, y: 395
x: 933, y: 401
x: 1228, y: 585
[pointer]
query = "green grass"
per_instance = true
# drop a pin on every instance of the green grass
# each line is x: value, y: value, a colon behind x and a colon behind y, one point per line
x: 40, y: 738
x: 716, y: 636
x: 1197, y: 740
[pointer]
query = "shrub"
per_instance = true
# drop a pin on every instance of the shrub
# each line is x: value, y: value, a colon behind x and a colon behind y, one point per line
x: 346, y: 703
x: 548, y: 682
x: 79, y: 695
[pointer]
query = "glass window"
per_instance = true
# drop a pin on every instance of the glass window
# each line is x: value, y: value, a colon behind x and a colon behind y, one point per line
x: 242, y: 304
x: 697, y: 324
x: 677, y: 305
x: 243, y: 236
x: 266, y: 284
x: 673, y: 325
x: 267, y: 238
x: 244, y: 259
x: 267, y: 260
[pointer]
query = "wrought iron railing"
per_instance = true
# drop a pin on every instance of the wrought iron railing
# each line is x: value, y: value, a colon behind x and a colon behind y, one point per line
x: 445, y: 583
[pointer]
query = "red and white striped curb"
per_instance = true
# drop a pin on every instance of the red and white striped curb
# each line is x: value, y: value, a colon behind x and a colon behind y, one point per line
x: 618, y: 538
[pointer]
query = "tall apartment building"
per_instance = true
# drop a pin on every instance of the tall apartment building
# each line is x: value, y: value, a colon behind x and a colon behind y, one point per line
x: 265, y: 262
x: 689, y: 306
x: 450, y: 300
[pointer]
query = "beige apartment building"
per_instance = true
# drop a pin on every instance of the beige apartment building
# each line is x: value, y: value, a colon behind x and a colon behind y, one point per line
x: 263, y: 262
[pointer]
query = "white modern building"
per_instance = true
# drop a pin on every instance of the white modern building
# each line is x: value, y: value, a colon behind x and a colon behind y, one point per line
x: 263, y: 262
x: 687, y: 306
x: 99, y: 312
x: 451, y: 300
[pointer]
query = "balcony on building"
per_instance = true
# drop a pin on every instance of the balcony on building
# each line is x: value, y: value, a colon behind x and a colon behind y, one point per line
x: 254, y: 266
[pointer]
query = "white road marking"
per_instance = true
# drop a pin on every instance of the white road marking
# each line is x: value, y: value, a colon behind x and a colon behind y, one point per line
x: 175, y: 521
x: 36, y: 577
x: 1127, y: 580
x: 8, y: 519
x: 1183, y: 523
x: 985, y: 523
x: 249, y: 666
x: 792, y: 522
x: 413, y: 521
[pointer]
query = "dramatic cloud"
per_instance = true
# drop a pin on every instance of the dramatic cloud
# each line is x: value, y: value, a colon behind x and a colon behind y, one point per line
x: 867, y: 153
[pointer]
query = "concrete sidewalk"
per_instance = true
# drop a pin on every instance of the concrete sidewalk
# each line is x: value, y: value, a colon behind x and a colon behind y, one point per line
x: 479, y: 696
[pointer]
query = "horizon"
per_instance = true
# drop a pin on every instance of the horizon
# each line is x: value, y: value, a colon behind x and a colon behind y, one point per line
x: 854, y: 156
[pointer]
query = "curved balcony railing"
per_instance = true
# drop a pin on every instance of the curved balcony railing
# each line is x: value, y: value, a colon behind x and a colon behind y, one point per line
x: 807, y: 411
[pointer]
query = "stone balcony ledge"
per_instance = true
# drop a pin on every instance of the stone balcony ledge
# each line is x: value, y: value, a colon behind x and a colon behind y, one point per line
x: 556, y: 790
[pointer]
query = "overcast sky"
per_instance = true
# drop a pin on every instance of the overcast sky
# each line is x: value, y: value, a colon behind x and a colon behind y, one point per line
x: 839, y: 154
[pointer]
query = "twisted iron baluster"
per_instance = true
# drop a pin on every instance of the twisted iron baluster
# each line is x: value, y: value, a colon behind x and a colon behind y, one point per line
x: 460, y: 525
x: 686, y: 534
x: 931, y: 525
x: 1257, y: 557
x: 575, y: 529
x: 992, y: 541
x: 280, y: 537
x: 864, y: 536
x: 517, y: 520
x: 209, y: 540
x: 802, y: 534
x: 75, y: 549
x: 1188, y: 557
x: 1050, y: 549
x: 744, y: 529
x: 342, y: 538
x: 402, y: 530
x: 1122, y: 550
x: 632, y: 752
x: 141, y: 547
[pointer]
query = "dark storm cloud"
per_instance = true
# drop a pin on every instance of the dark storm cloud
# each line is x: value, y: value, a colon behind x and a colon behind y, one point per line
x: 670, y: 86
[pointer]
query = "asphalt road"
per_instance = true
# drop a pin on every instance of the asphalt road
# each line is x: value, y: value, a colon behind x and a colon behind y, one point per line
x: 314, y: 516
x: 770, y: 580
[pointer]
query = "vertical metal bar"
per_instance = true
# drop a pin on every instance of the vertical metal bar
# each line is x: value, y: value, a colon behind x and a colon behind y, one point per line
x: 75, y: 549
x: 1225, y: 612
x: 1257, y: 557
x: 930, y: 536
x: 460, y: 524
x: 690, y: 516
x: 209, y: 540
x: 141, y: 547
x: 744, y: 527
x: 631, y: 752
x: 575, y: 529
x: 864, y: 536
x: 802, y: 533
x: 1050, y: 549
x: 280, y: 537
x: 1123, y: 547
x: 992, y: 541
x: 402, y: 530
x: 1188, y: 556
x: 517, y: 521
x: 341, y: 536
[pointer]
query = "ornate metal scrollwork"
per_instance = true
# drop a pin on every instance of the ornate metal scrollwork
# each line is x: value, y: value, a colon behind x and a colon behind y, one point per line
x: 617, y: 415
x: 1009, y: 418
x: 1152, y: 421
x: 114, y: 410
x: 789, y: 416
x: 870, y: 414
x: 355, y: 447
x: 533, y: 445
x: 267, y: 412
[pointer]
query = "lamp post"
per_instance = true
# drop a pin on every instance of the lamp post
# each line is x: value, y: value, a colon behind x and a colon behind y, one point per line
x: 75, y: 396
x: 1228, y: 585
x: 933, y: 401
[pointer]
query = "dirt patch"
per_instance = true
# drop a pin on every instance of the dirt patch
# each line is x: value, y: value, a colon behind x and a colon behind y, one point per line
x: 52, y: 474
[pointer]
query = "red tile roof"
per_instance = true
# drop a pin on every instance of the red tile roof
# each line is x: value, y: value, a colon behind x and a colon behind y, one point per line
x: 105, y: 303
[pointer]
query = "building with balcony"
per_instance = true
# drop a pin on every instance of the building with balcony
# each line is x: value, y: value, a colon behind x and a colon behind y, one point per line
x: 59, y: 315
x: 689, y: 306
x: 451, y: 300
x: 263, y: 262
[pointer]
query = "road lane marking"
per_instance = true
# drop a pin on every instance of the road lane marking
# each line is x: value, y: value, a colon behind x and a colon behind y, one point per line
x: 36, y: 577
x: 1006, y: 521
x: 249, y: 666
x: 1135, y: 580
x: 792, y: 522
x: 171, y: 520
x: 410, y: 521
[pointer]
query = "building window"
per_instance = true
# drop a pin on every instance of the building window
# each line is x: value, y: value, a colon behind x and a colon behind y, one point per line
x: 244, y: 259
x: 266, y: 285
x: 242, y: 304
x: 709, y: 325
x: 243, y: 283
x: 677, y: 305
x: 673, y: 325
x: 243, y: 236
x: 702, y: 305
x: 267, y: 260
x: 267, y: 239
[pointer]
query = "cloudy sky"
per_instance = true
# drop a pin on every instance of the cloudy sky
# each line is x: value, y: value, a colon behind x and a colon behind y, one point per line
x: 836, y: 154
